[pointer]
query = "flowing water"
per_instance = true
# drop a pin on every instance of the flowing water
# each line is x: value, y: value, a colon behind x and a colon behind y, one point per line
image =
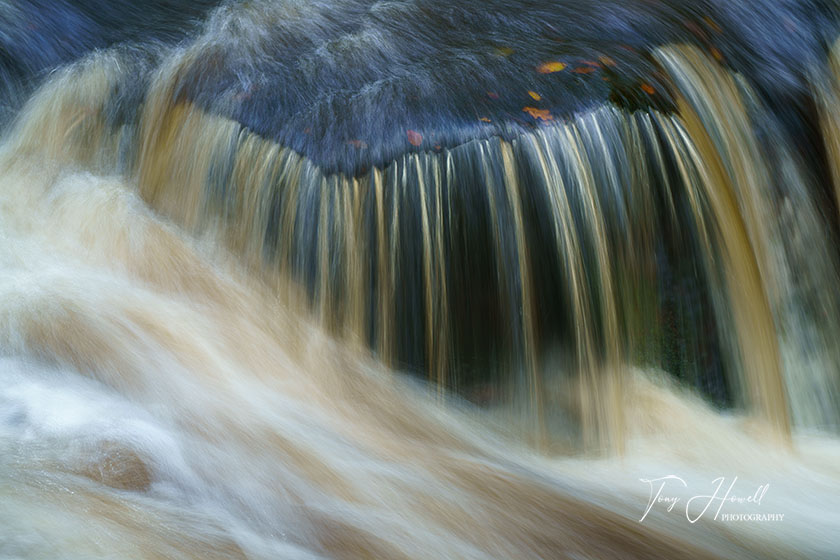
x: 352, y: 279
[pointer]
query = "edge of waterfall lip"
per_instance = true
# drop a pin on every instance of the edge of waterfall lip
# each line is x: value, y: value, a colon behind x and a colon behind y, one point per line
x: 345, y: 148
x: 510, y: 134
x: 362, y: 87
x: 392, y: 70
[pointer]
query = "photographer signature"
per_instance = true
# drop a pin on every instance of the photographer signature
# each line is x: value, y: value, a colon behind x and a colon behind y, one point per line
x: 723, y: 494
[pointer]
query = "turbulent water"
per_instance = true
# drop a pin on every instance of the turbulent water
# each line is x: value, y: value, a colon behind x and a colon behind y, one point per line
x: 352, y: 279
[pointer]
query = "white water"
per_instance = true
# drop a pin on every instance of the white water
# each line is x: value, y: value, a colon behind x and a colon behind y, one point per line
x: 154, y: 402
x: 159, y: 400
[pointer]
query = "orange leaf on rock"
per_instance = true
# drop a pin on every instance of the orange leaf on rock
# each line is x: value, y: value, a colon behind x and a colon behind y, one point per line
x: 414, y: 137
x: 534, y: 95
x: 584, y: 70
x: 484, y: 119
x: 542, y: 114
x: 713, y: 24
x: 550, y: 67
x: 648, y: 89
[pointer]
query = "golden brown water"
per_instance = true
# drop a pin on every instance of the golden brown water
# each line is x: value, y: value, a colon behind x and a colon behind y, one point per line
x: 173, y: 388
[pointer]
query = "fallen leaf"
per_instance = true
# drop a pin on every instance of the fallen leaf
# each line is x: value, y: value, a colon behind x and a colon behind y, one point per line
x: 414, y: 137
x: 550, y: 67
x: 542, y: 114
x: 648, y: 89
x: 504, y: 51
x: 584, y: 70
x: 717, y: 54
x: 484, y: 119
x: 534, y: 95
x: 606, y: 61
x: 492, y: 95
x: 696, y: 30
x: 713, y: 24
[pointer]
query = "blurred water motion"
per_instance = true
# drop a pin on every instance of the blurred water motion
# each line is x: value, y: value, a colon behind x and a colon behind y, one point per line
x: 407, y: 279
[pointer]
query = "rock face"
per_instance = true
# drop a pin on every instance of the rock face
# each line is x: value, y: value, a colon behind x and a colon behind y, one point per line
x: 116, y: 465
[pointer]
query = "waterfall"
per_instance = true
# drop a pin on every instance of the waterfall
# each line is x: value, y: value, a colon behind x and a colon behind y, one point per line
x: 366, y: 279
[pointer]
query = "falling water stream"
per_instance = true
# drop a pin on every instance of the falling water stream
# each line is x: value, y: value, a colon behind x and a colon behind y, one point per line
x: 357, y: 279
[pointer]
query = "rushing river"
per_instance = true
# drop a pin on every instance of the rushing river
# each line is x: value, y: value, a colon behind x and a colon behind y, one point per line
x: 420, y: 279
